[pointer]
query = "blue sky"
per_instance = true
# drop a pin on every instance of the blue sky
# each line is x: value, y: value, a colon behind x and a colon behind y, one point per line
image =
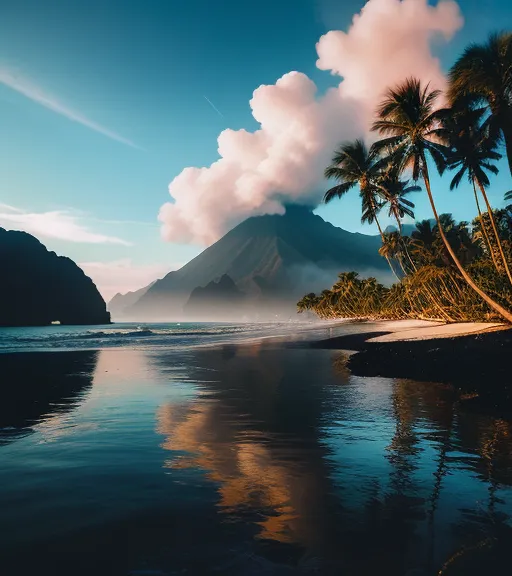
x: 125, y: 82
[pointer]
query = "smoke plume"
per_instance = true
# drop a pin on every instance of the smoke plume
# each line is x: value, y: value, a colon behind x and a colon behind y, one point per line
x: 283, y: 161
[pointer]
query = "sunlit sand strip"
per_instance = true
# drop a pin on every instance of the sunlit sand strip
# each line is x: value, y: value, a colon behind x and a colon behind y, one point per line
x: 407, y: 331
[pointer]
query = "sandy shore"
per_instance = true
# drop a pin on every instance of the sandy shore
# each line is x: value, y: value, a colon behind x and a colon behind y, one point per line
x: 409, y: 330
x: 387, y: 331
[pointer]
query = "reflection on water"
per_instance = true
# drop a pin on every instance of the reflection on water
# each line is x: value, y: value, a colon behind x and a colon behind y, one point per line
x: 242, y: 458
x: 40, y: 386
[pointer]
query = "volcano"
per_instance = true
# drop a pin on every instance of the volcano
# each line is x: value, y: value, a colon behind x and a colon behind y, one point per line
x: 273, y: 260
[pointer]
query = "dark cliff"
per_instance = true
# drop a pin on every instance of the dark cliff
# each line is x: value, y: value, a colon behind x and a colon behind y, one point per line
x: 37, y: 287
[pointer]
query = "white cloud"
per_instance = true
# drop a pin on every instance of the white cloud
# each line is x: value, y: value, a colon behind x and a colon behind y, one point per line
x: 121, y: 276
x: 15, y: 81
x: 58, y: 224
x: 283, y: 161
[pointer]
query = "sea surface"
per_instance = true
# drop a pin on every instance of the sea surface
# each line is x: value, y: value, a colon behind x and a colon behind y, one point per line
x: 151, y: 450
x: 147, y: 335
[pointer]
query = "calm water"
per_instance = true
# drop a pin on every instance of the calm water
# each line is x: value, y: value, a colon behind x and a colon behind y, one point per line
x: 253, y: 458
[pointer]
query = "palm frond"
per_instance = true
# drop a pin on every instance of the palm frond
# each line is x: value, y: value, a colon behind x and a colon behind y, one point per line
x: 407, y: 202
x: 338, y: 191
x: 438, y: 154
x: 491, y: 167
x: 457, y: 179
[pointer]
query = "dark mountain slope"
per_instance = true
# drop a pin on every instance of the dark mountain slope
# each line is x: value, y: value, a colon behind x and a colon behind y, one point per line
x: 220, y: 300
x: 37, y: 287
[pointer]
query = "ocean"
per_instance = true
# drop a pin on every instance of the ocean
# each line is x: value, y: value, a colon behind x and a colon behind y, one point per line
x: 144, y: 335
x: 166, y: 449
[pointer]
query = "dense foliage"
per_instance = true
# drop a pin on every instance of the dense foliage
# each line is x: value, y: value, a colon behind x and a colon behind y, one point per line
x: 430, y: 287
x: 445, y: 270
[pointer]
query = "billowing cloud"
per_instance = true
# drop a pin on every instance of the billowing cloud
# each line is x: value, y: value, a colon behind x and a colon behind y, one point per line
x: 58, y: 224
x: 15, y: 81
x: 282, y: 162
x: 388, y: 41
x: 121, y: 276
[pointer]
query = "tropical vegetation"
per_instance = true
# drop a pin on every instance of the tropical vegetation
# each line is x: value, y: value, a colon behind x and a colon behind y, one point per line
x: 447, y: 270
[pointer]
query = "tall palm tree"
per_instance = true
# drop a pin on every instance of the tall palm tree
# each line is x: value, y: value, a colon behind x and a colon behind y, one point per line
x: 354, y: 165
x: 472, y: 153
x: 413, y: 127
x: 484, y: 73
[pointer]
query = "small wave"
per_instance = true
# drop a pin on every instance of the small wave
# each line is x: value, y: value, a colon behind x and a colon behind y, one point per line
x: 174, y: 334
x: 82, y: 336
x: 123, y: 334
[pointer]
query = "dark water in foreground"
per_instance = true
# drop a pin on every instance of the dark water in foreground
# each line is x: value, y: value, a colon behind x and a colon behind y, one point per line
x: 243, y: 459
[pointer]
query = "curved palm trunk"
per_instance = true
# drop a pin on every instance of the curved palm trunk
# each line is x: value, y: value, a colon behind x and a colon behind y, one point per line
x: 439, y: 474
x: 430, y: 295
x: 506, y: 127
x: 484, y: 229
x: 383, y: 239
x: 404, y: 244
x: 495, y: 229
x: 494, y: 305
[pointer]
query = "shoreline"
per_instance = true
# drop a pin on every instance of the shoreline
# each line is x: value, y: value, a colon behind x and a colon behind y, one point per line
x: 470, y: 357
x: 473, y: 359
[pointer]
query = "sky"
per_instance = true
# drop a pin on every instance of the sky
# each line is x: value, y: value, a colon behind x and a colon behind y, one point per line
x: 108, y: 107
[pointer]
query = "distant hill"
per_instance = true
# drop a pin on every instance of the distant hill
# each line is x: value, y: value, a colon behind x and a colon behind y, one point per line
x: 407, y: 229
x: 119, y: 303
x: 273, y: 259
x: 220, y: 300
x: 37, y: 287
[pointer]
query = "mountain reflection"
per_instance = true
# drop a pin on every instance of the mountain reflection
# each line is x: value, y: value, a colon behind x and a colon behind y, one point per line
x: 42, y: 385
x: 254, y: 429
x: 292, y: 442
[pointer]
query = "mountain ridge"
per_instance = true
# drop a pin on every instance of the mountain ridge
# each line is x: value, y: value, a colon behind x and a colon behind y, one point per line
x: 269, y: 258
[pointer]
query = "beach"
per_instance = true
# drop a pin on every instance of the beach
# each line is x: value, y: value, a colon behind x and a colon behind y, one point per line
x: 259, y: 454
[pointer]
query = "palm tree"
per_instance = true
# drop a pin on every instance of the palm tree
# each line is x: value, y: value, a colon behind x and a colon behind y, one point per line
x: 472, y: 153
x: 413, y: 127
x: 307, y: 302
x: 484, y: 73
x: 480, y: 230
x: 393, y: 191
x: 354, y: 165
x: 424, y: 233
x: 393, y: 248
